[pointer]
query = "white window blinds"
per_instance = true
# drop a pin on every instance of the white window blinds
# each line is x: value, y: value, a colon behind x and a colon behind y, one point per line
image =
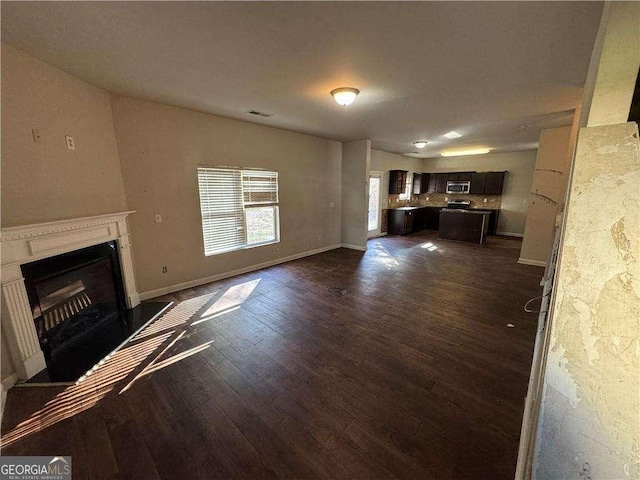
x: 239, y: 208
x: 259, y: 187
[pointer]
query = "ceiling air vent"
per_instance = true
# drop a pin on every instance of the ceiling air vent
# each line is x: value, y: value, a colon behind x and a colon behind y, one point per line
x: 259, y: 114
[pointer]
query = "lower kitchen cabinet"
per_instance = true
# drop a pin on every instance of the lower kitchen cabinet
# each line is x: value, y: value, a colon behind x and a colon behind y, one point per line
x: 404, y: 220
x: 431, y: 216
x: 493, y: 222
x: 401, y: 221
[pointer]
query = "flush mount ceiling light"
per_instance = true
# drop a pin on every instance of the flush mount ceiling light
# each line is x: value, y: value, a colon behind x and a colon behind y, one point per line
x: 452, y: 134
x: 420, y: 144
x: 468, y: 151
x: 345, y: 95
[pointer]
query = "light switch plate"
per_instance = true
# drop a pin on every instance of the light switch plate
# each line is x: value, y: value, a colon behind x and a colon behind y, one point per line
x: 158, y: 218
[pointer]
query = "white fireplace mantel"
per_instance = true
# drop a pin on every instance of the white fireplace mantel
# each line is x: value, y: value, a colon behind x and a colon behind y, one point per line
x: 28, y: 243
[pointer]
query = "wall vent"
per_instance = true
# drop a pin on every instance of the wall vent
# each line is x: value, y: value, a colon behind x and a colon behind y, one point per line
x: 260, y: 114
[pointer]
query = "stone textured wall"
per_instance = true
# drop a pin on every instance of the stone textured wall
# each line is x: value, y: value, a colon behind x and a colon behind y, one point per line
x: 590, y: 417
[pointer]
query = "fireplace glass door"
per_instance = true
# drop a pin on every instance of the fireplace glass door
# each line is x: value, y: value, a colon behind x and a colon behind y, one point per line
x: 73, y: 295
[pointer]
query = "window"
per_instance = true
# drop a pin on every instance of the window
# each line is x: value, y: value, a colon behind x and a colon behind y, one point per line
x: 408, y: 188
x: 239, y: 208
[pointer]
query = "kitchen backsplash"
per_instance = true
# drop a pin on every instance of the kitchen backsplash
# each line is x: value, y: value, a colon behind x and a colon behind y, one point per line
x: 438, y: 200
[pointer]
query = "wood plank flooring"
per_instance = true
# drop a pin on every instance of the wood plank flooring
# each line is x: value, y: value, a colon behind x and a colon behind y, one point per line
x: 394, y: 363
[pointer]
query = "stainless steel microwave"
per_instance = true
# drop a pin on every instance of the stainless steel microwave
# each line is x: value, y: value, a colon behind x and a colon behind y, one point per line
x: 458, y: 187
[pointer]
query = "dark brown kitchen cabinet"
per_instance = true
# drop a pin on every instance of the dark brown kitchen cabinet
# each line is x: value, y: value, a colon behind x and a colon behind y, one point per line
x: 417, y: 183
x: 420, y: 183
x: 459, y: 177
x: 493, y: 183
x: 477, y: 183
x: 397, y: 181
x: 432, y: 187
x: 441, y: 182
x: 431, y: 217
x: 401, y: 221
x: 493, y: 222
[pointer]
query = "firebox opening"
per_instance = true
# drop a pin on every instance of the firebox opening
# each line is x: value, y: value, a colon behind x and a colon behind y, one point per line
x: 79, y: 310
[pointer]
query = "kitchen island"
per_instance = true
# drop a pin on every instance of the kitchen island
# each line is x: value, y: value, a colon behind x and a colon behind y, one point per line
x: 464, y: 225
x: 410, y: 219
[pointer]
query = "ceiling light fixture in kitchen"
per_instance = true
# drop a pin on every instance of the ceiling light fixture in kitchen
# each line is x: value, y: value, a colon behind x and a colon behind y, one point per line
x: 452, y: 134
x: 420, y: 144
x: 468, y: 151
x: 345, y: 95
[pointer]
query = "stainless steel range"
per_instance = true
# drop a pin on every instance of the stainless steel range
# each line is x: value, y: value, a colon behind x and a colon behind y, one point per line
x: 459, y: 204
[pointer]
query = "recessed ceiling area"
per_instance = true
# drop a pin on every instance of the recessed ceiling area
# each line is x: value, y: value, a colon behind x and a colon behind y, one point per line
x: 495, y: 72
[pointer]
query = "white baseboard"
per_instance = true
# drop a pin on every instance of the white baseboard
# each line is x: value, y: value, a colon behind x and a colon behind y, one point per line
x: 354, y: 247
x: 6, y: 384
x: 221, y: 276
x: 510, y: 234
x: 536, y: 263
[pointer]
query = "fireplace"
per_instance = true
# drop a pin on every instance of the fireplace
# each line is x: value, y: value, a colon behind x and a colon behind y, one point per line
x: 64, y: 282
x: 73, y: 297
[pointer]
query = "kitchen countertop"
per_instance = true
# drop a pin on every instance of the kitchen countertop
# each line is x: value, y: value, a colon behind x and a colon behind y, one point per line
x: 442, y: 206
x: 475, y: 211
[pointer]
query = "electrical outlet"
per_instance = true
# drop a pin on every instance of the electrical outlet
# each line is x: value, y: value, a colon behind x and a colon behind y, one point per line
x: 164, y: 270
x: 71, y: 145
x: 485, y: 200
x: 427, y: 198
x: 331, y: 205
x: 158, y: 218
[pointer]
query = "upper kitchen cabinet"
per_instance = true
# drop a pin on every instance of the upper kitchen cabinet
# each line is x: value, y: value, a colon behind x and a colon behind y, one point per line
x: 460, y: 177
x: 417, y: 183
x: 441, y: 182
x: 477, y: 183
x: 420, y: 183
x: 432, y: 186
x: 397, y: 181
x: 493, y: 183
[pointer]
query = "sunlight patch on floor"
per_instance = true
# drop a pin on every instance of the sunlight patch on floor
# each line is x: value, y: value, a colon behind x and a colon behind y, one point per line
x: 160, y: 335
x: 429, y: 246
x: 382, y: 255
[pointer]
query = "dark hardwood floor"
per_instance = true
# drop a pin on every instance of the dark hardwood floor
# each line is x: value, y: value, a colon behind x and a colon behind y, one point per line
x: 394, y: 363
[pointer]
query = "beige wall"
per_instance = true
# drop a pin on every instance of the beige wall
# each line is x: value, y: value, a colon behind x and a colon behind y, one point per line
x: 356, y: 160
x: 44, y: 181
x: 517, y: 183
x: 548, y: 190
x: 160, y: 148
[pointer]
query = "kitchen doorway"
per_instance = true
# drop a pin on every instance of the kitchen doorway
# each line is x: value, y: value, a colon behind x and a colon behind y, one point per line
x: 375, y: 200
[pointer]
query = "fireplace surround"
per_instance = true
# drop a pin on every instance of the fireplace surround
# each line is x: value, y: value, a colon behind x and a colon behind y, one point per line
x: 30, y: 243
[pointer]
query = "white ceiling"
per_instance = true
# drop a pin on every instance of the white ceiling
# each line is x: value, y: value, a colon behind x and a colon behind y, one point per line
x: 423, y: 68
